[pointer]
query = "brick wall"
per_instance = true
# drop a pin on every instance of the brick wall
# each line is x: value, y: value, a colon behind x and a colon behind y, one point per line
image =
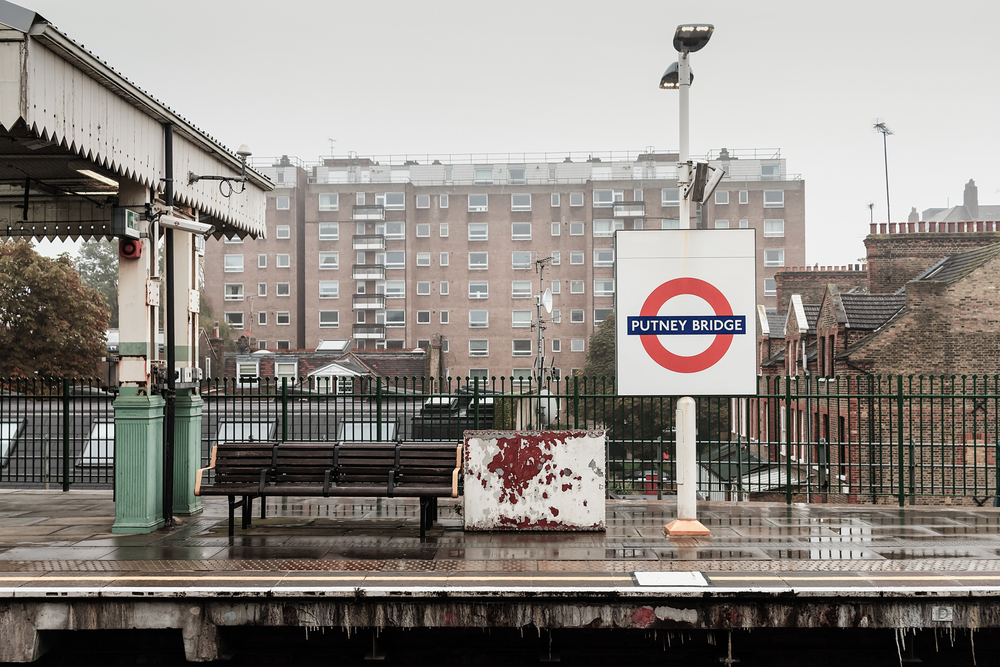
x: 895, y: 259
x: 811, y: 282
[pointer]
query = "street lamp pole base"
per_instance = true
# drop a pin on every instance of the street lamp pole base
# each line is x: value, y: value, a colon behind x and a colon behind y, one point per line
x: 681, y: 527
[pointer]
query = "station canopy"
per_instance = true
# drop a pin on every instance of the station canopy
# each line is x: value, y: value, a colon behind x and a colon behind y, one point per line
x: 73, y: 132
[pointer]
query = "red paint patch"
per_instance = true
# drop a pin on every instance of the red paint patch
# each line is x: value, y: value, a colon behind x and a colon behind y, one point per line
x: 506, y: 522
x: 520, y: 460
x: 643, y: 617
x: 555, y: 512
x: 545, y: 496
x: 549, y: 478
x: 584, y: 503
x: 567, y: 487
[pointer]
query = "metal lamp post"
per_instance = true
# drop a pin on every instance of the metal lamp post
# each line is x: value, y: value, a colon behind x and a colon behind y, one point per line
x: 687, y: 39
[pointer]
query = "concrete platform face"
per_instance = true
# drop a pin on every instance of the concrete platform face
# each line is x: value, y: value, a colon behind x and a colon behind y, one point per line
x: 534, y: 481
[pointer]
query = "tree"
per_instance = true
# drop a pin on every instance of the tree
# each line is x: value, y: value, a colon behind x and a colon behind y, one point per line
x: 51, y: 323
x: 97, y: 264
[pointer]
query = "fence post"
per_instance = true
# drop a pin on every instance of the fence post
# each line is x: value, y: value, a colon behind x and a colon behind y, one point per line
x: 475, y: 403
x: 899, y: 437
x: 284, y: 408
x: 378, y: 409
x: 788, y: 440
x: 65, y: 434
x: 913, y: 472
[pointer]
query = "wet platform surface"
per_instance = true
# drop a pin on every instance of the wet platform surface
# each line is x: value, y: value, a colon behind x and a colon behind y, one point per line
x: 63, y: 541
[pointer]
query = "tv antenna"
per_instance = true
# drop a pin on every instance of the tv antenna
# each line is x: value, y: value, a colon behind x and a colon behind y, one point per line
x: 878, y: 125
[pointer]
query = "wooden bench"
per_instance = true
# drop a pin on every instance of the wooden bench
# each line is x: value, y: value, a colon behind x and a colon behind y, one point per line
x: 423, y: 470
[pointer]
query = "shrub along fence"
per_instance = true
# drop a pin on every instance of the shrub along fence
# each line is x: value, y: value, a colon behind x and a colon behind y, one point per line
x: 856, y: 439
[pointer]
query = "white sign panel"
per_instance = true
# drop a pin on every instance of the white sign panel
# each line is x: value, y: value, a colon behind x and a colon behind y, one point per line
x: 684, y: 312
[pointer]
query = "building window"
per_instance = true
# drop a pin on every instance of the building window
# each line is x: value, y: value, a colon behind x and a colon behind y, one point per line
x: 774, y: 198
x: 604, y: 257
x: 360, y: 317
x: 444, y: 319
x: 391, y: 201
x: 478, y: 231
x: 637, y: 223
x: 576, y: 229
x: 283, y: 261
x: 576, y: 316
x: 262, y: 318
x: 722, y: 196
x: 283, y: 232
x: 637, y: 195
x: 479, y: 348
x: 329, y: 260
x: 556, y: 256
x: 423, y: 201
x: 443, y: 230
x: 774, y: 228
x: 520, y: 231
x: 329, y: 319
x: 484, y: 176
x: 774, y: 257
x: 423, y: 259
x: 443, y: 288
x: 394, y: 231
x: 770, y: 172
x: 521, y: 318
x: 604, y: 287
x: 479, y: 319
x: 359, y: 198
x: 261, y: 261
x: 607, y: 227
x: 233, y: 263
x: 282, y: 203
x: 283, y: 318
x: 576, y: 345
x: 261, y: 289
x: 234, y: 292
x: 520, y: 202
x: 670, y: 223
x: 329, y: 202
x: 283, y: 289
x: 555, y: 229
x: 479, y: 203
x: 744, y: 224
x: 394, y: 318
x: 234, y: 320
x: 329, y: 231
x: 556, y: 316
x: 576, y: 199
x: 722, y: 224
x: 479, y: 261
x: 556, y: 287
x: 479, y: 290
x: 576, y: 257
x: 423, y: 230
x: 395, y: 260
x: 576, y: 287
x: 423, y: 288
x: 517, y: 176
x: 744, y: 197
x: 285, y: 370
x: 521, y: 347
x: 443, y: 202
x: 605, y: 198
x: 443, y: 259
x: 556, y: 345
x: 520, y: 260
x: 423, y: 317
x: 600, y: 314
x: 770, y: 287
x: 282, y: 345
x: 521, y: 289
x: 329, y: 289
x: 670, y: 197
x: 554, y: 200
x: 393, y: 289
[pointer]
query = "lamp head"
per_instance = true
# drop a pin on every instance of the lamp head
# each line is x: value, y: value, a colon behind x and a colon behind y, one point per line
x: 691, y: 37
x: 671, y: 78
x: 244, y: 151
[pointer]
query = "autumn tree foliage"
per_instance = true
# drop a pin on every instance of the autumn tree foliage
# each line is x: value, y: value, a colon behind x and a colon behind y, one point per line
x: 97, y: 264
x: 51, y: 323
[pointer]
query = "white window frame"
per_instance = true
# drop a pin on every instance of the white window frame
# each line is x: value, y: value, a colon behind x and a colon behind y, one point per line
x: 514, y: 178
x: 479, y: 261
x: 479, y: 294
x: 233, y: 264
x: 601, y: 287
x: 577, y: 287
x: 770, y: 287
x: 597, y: 318
x: 479, y: 319
x: 287, y: 287
x: 332, y: 289
x: 576, y: 199
x: 231, y: 317
x: 744, y: 197
x: 556, y: 229
x: 604, y: 257
x: 331, y: 233
x: 283, y: 260
x: 482, y: 347
x: 282, y: 232
x: 423, y: 317
x: 526, y: 345
x: 423, y: 259
x: 282, y: 203
x: 521, y: 265
x: 283, y: 315
x: 722, y: 224
x: 777, y: 199
x: 480, y: 176
x: 670, y: 197
x: 777, y: 257
x: 577, y: 344
x: 397, y: 203
x: 233, y: 292
x: 517, y: 289
x: 516, y: 235
x: 556, y: 286
x: 485, y: 231
x: 442, y: 259
x: 262, y: 318
x: 329, y: 325
x: 670, y: 223
x: 442, y: 201
x: 479, y: 206
x: 329, y: 261
x: 607, y: 198
x: 332, y: 201
x: 423, y: 201
x: 423, y: 230
x: 576, y: 258
x: 444, y: 318
x: 261, y: 289
x: 554, y: 199
x: 261, y: 261
x: 556, y: 345
x: 443, y: 230
x: 392, y: 289
x: 576, y: 229
x: 396, y: 264
x: 423, y: 288
x: 577, y: 316
x: 520, y: 319
x: 774, y: 229
x: 722, y: 197
x: 444, y: 288
x: 556, y: 256
x: 744, y: 224
x: 520, y: 202
x: 606, y: 228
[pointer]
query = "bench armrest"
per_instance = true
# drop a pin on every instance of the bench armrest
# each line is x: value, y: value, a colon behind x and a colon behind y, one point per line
x: 454, y: 473
x: 202, y: 471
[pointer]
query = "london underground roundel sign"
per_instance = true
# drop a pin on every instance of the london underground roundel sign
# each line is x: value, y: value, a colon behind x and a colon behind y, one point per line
x: 678, y: 290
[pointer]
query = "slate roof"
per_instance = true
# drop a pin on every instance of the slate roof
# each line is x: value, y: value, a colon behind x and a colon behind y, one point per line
x: 952, y: 269
x: 395, y: 363
x: 961, y: 213
x: 776, y: 323
x: 870, y: 311
x: 812, y: 315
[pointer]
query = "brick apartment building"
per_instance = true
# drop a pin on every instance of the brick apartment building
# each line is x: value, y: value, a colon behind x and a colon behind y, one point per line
x: 394, y: 253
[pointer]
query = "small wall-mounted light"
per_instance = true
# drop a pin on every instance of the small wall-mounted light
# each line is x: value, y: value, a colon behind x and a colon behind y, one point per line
x: 226, y: 182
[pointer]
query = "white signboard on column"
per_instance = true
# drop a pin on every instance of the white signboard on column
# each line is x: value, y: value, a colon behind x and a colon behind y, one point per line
x: 684, y: 312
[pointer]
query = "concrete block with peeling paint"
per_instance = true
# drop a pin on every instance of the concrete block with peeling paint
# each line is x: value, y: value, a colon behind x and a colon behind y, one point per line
x: 534, y: 480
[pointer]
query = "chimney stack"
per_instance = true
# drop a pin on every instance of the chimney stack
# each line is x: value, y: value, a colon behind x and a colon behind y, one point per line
x: 972, y: 200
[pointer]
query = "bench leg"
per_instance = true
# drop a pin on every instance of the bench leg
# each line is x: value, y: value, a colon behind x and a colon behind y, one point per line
x: 428, y: 512
x: 232, y: 515
x: 247, y: 511
x: 263, y: 507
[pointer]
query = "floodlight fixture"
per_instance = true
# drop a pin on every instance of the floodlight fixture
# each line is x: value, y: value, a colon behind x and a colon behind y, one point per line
x: 691, y: 37
x: 671, y: 78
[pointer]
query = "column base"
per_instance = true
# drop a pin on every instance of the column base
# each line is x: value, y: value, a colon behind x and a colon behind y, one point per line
x: 679, y: 527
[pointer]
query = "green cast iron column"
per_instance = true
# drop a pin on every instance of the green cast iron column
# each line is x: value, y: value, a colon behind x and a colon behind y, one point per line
x: 187, y: 451
x: 138, y: 462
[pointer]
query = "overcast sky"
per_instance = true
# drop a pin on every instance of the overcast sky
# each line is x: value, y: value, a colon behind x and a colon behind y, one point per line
x: 805, y: 77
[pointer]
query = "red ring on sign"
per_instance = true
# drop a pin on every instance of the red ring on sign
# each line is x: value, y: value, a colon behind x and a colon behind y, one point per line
x: 702, y: 290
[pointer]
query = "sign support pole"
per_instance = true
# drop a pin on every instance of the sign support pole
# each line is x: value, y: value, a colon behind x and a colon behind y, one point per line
x: 686, y: 522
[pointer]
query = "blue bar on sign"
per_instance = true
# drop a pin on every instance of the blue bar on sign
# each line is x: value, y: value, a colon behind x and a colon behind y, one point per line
x: 687, y: 325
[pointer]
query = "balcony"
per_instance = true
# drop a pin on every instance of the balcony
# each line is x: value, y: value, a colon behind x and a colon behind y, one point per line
x: 369, y: 272
x: 630, y: 209
x: 369, y: 212
x: 369, y: 301
x: 369, y: 331
x: 369, y: 242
